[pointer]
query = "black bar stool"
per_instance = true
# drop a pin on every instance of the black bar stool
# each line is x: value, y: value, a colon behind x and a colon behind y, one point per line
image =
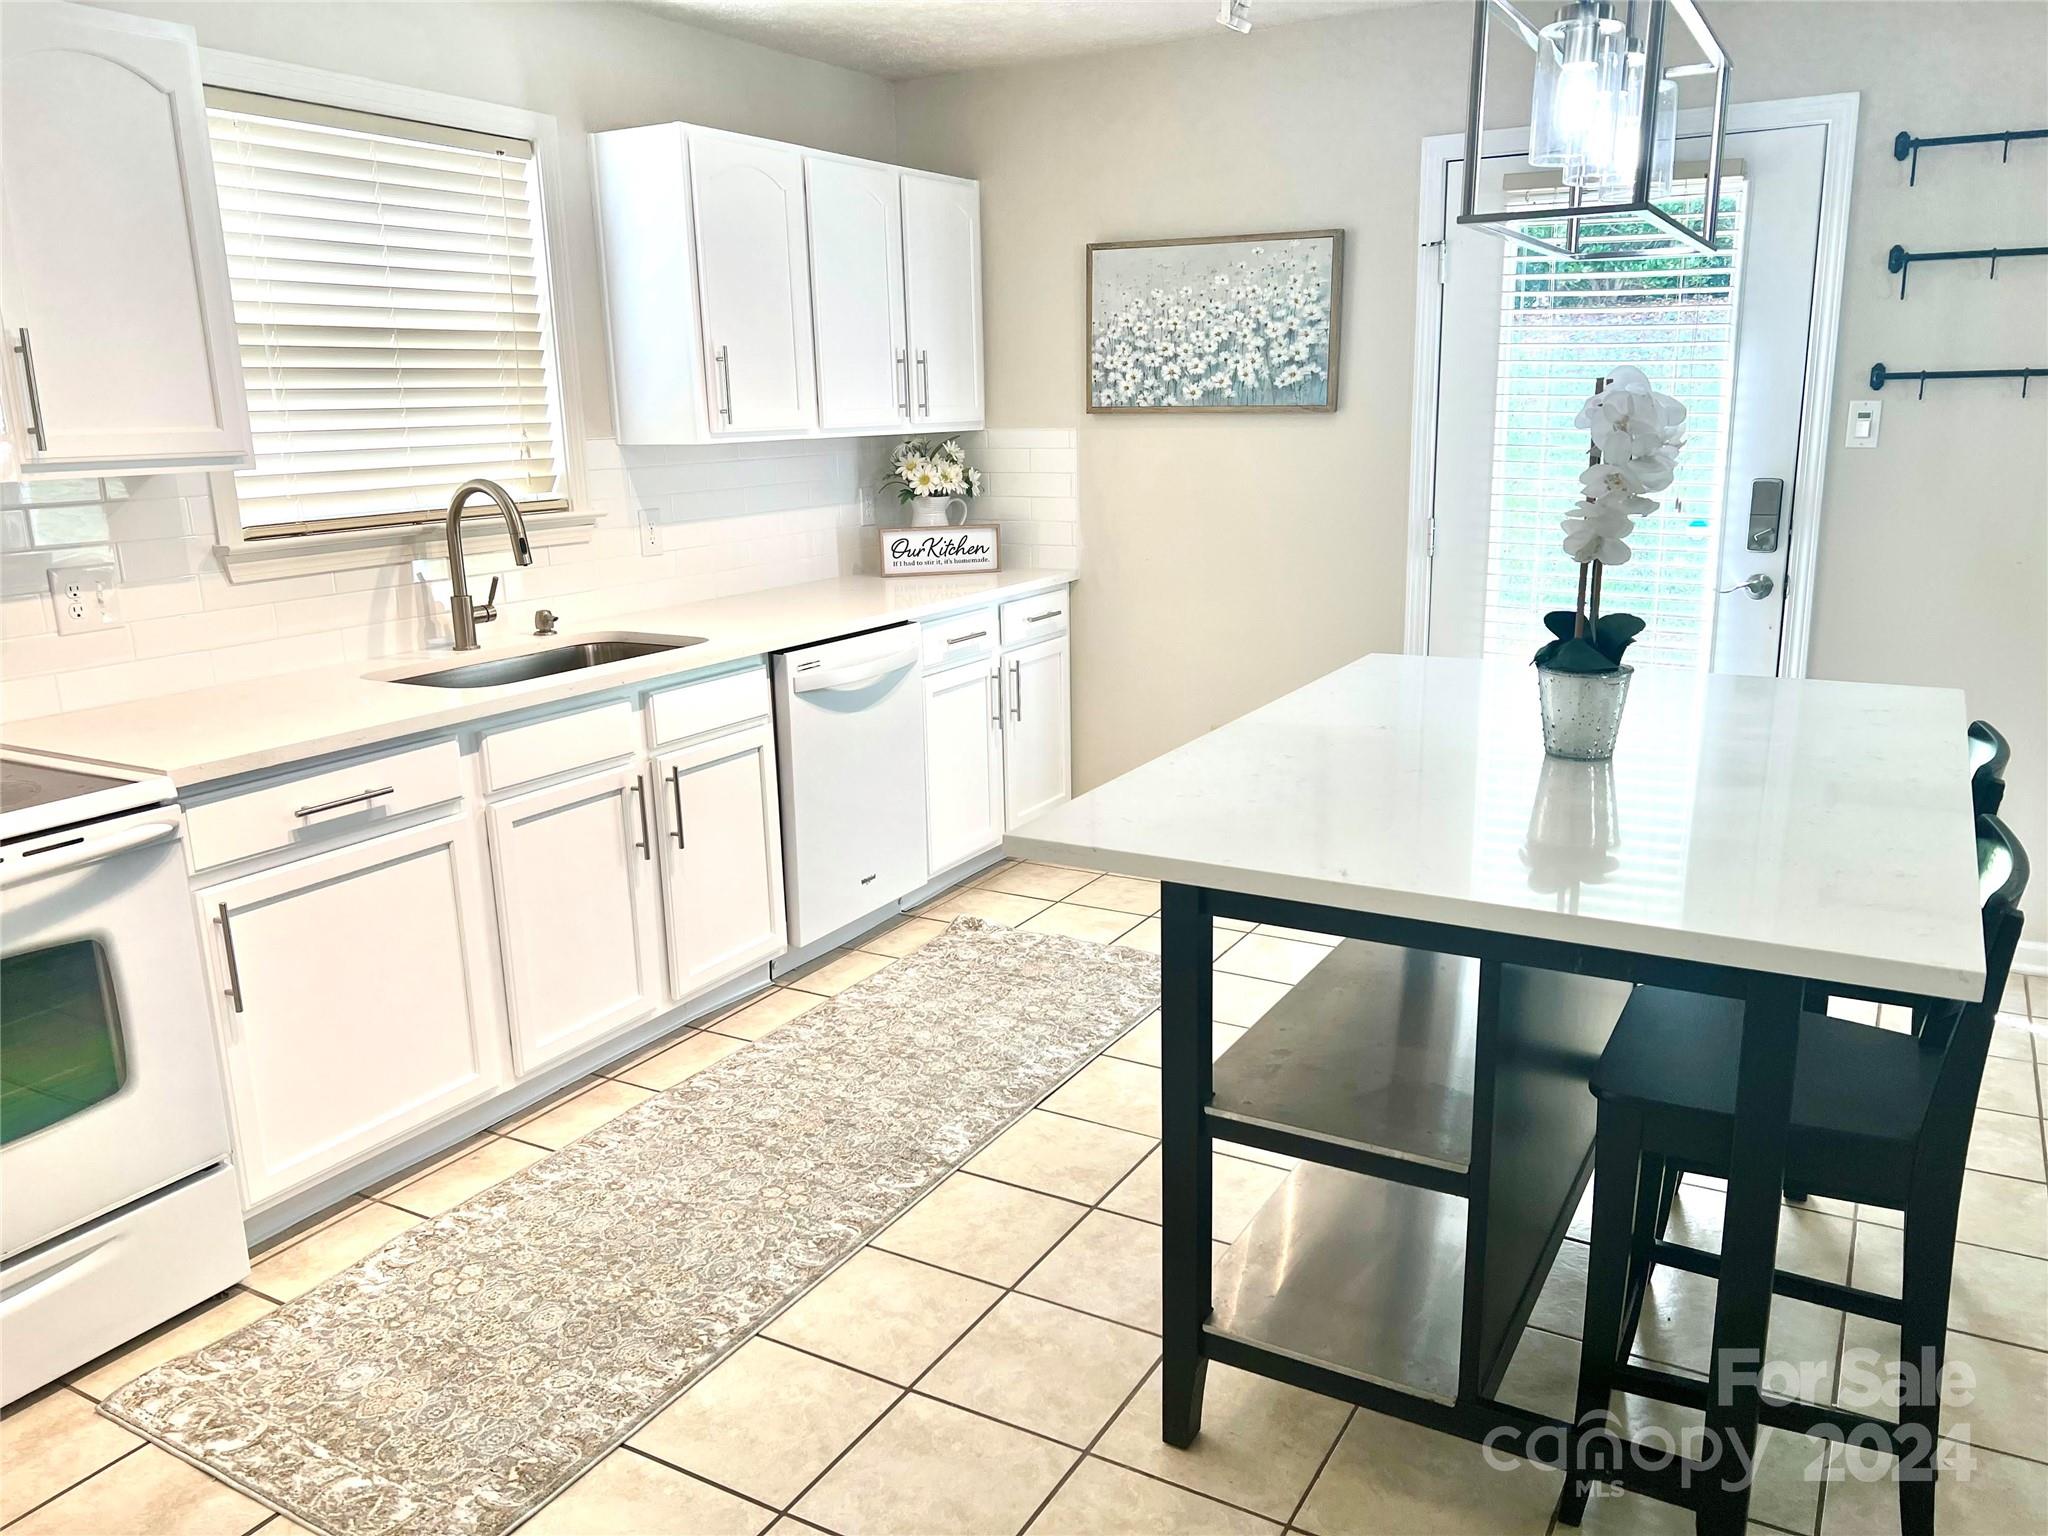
x: 1989, y: 753
x: 1878, y: 1118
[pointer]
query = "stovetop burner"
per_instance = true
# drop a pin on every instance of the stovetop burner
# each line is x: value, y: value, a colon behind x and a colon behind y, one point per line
x: 26, y: 784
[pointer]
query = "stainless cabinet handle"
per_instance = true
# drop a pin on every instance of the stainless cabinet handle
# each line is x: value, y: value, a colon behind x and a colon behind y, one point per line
x: 35, y: 395
x: 1040, y: 618
x: 334, y: 805
x: 996, y: 710
x: 924, y: 383
x: 645, y: 847
x: 1016, y: 690
x: 903, y: 365
x: 725, y: 386
x: 979, y: 634
x: 227, y: 939
x: 675, y: 784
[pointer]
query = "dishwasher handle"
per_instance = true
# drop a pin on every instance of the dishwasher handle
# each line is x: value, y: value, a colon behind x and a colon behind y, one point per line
x: 856, y: 674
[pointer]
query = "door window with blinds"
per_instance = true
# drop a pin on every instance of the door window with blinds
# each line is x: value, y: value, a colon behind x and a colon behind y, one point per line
x: 1561, y: 322
x: 391, y: 300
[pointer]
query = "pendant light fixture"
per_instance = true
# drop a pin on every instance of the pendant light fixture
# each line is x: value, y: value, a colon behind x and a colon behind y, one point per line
x: 1603, y: 115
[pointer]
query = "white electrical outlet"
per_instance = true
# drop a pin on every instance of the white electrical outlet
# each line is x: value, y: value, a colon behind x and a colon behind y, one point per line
x: 86, y: 597
x: 650, y: 535
x: 867, y: 506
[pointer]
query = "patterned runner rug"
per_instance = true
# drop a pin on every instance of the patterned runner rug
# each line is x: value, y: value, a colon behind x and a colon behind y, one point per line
x: 453, y: 1381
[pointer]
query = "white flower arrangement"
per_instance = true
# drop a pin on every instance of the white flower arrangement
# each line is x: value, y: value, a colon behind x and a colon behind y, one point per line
x: 1636, y: 436
x: 918, y: 468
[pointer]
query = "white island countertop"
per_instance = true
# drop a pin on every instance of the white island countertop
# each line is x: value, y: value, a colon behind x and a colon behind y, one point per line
x: 1813, y: 829
x: 223, y: 732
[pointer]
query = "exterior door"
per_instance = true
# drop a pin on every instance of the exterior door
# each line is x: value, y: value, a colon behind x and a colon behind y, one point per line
x: 857, y: 294
x: 754, y: 279
x: 576, y: 912
x: 1524, y: 337
x: 111, y: 253
x: 721, y: 837
x: 963, y: 764
x: 942, y: 280
x: 1035, y: 729
x: 355, y: 998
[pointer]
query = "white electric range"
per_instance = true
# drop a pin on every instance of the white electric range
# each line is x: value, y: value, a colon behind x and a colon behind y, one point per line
x: 118, y: 1206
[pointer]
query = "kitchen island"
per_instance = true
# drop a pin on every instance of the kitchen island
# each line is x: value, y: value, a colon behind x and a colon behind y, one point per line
x: 1751, y: 837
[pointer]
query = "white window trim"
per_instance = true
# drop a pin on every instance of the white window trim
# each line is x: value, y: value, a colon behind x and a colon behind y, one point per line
x: 257, y: 559
x: 1816, y: 428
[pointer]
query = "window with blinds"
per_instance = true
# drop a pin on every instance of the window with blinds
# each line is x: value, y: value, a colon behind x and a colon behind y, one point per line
x: 391, y: 300
x: 1562, y: 323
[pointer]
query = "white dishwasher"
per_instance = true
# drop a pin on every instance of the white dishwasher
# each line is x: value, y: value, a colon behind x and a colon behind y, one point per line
x: 849, y: 729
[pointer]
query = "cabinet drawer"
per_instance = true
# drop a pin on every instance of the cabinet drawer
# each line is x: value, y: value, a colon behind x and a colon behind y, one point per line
x: 519, y: 754
x: 958, y: 637
x: 329, y: 806
x: 676, y: 714
x: 1038, y: 617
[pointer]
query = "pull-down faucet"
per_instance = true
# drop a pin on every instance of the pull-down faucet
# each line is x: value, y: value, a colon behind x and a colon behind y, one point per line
x: 468, y: 615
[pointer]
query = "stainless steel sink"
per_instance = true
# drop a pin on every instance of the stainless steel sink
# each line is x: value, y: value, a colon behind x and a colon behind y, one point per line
x: 556, y: 659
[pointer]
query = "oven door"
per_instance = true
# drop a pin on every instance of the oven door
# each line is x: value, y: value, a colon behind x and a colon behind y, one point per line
x: 110, y: 1084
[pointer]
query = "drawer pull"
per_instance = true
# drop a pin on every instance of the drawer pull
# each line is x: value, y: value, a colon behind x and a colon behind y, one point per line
x: 979, y: 634
x: 227, y: 940
x: 1040, y: 618
x: 334, y: 805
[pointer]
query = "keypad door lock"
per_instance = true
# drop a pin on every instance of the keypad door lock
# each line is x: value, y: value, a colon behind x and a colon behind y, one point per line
x: 1766, y: 508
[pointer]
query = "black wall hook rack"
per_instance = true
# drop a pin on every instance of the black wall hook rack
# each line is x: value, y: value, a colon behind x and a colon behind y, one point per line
x: 1901, y: 260
x: 1907, y: 147
x: 1881, y: 376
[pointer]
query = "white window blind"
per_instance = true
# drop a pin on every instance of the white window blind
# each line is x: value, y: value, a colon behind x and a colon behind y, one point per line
x: 390, y: 294
x: 1562, y: 323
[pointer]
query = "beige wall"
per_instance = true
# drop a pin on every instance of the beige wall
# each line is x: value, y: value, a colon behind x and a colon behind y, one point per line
x: 1228, y: 560
x: 590, y: 66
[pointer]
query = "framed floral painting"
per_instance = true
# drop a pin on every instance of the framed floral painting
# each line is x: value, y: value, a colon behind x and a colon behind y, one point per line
x: 1222, y: 323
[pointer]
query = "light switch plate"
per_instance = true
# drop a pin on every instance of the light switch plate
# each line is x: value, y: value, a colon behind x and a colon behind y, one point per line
x: 1864, y: 416
x: 86, y: 598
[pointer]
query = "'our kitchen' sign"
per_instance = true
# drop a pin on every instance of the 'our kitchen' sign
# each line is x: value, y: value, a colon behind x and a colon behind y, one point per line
x: 921, y: 551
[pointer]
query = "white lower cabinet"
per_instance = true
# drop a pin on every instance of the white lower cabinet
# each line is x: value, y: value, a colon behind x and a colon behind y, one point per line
x: 577, y: 920
x: 963, y: 763
x: 357, y: 999
x: 1036, y: 732
x: 721, y: 859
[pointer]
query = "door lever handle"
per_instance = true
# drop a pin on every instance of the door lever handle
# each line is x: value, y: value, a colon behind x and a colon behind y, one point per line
x: 1758, y: 587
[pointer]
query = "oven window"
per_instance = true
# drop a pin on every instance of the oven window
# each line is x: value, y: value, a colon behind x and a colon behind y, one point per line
x: 60, y: 1036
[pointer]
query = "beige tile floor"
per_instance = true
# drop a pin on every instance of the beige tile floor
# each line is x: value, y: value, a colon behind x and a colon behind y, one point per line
x: 988, y: 1363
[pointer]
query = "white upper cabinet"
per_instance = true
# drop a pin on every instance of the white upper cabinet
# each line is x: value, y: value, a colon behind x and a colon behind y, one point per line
x: 753, y: 280
x: 942, y: 284
x: 857, y: 294
x: 754, y: 289
x: 120, y: 338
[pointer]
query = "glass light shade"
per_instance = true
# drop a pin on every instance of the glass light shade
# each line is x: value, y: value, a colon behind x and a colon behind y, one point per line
x: 1619, y: 178
x: 1576, y: 106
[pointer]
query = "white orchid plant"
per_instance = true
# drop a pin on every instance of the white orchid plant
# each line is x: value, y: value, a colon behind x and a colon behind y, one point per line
x: 918, y: 468
x: 1636, y: 436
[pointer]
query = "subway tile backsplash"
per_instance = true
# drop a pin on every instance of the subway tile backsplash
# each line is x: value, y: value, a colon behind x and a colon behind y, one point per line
x: 725, y: 519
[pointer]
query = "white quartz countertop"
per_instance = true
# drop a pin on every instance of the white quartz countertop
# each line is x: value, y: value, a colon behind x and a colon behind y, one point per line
x: 1815, y: 829
x: 224, y: 732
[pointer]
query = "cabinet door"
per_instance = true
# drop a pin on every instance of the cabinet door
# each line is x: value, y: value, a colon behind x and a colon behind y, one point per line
x: 112, y: 258
x: 1035, y: 729
x: 356, y: 1000
x: 963, y: 764
x: 857, y: 294
x: 721, y: 837
x: 942, y: 282
x: 574, y: 867
x: 754, y: 283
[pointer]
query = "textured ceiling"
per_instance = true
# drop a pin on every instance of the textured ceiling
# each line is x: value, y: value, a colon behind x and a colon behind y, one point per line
x: 901, y: 39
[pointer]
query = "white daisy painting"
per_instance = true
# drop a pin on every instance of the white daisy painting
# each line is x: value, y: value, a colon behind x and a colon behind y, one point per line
x: 1226, y: 323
